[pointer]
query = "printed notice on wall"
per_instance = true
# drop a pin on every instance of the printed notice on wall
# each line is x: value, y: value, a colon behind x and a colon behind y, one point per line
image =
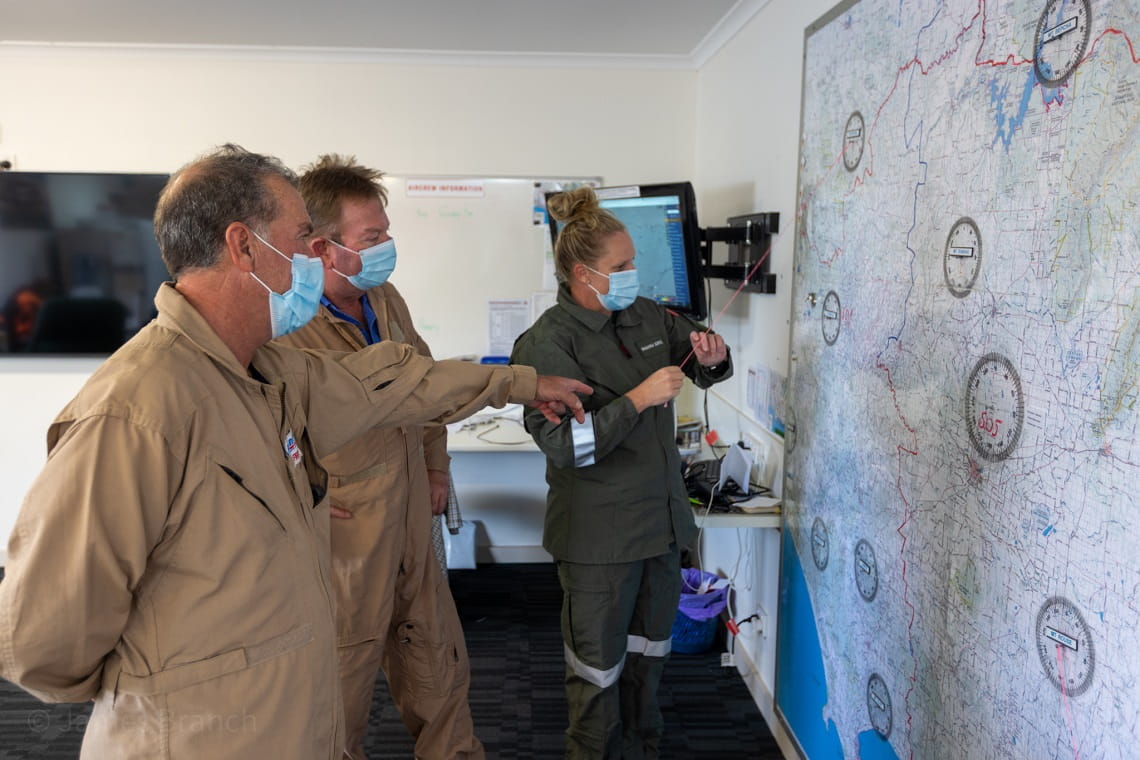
x: 756, y: 391
x: 506, y: 320
x: 540, y: 301
x: 765, y: 396
x: 549, y: 279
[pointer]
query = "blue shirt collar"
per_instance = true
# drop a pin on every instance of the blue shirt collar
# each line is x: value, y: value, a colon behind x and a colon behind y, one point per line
x: 370, y: 330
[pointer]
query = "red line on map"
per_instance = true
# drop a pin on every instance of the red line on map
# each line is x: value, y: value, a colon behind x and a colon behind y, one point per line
x: 900, y: 449
x: 1105, y: 33
x: 1009, y: 59
x: 924, y: 69
x: 1065, y: 700
x: 836, y: 252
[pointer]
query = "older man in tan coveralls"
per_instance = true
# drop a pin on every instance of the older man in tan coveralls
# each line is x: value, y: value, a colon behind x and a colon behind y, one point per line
x: 394, y: 607
x: 171, y: 560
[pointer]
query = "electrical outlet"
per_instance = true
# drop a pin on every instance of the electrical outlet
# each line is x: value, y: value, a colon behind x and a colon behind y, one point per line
x: 726, y: 660
x: 755, y: 625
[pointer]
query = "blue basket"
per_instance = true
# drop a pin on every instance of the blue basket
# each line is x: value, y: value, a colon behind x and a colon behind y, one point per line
x: 693, y: 636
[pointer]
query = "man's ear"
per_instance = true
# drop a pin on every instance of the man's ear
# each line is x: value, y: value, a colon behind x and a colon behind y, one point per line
x: 322, y: 249
x: 239, y: 246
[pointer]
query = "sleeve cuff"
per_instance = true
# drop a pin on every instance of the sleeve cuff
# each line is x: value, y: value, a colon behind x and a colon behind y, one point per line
x: 525, y: 384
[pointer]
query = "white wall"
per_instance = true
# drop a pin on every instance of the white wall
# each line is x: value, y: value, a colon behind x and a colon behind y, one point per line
x: 733, y: 128
x: 86, y: 110
x: 748, y: 120
x: 116, y: 111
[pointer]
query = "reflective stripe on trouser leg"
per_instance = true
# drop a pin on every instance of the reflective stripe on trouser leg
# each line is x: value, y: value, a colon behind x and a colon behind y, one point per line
x: 603, y: 679
x: 649, y: 647
x: 597, y: 605
x: 650, y: 643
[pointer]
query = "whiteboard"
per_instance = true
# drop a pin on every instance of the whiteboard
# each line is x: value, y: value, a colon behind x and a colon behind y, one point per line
x: 463, y: 242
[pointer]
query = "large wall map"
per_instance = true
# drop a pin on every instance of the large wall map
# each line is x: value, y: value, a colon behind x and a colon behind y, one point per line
x: 961, y: 565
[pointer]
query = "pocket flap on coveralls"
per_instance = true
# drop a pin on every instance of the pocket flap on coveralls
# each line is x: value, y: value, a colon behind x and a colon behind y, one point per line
x: 182, y: 676
x: 335, y: 481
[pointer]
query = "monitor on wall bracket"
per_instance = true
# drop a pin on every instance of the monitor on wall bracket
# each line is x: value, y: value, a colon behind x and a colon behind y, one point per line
x: 662, y: 220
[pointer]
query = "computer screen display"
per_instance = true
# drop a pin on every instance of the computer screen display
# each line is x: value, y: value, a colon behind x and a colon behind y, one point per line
x: 662, y: 221
x: 79, y: 265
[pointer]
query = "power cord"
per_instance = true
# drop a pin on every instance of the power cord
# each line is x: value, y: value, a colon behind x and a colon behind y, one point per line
x: 482, y: 436
x: 491, y: 424
x: 749, y: 619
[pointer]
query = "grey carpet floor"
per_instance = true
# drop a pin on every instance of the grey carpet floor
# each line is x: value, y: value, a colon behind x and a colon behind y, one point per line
x: 510, y: 617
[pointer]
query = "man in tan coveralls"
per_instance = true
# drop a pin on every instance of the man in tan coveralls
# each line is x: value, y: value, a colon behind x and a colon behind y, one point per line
x: 394, y: 607
x: 171, y: 561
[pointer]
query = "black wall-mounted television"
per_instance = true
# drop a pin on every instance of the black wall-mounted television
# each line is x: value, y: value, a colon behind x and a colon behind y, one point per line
x: 79, y: 265
x: 662, y: 220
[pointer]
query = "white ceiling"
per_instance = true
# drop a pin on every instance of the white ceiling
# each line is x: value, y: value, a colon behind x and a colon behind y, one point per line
x: 665, y: 33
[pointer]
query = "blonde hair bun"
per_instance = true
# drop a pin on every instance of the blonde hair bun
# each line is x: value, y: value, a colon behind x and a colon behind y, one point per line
x: 574, y: 205
x: 584, y: 227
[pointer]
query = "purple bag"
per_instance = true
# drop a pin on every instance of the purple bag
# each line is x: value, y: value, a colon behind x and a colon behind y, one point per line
x: 703, y: 595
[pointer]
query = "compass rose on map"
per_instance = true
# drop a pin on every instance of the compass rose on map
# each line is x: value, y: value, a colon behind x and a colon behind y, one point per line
x: 853, y: 140
x: 831, y: 315
x: 790, y: 430
x: 1061, y: 39
x: 995, y: 407
x: 879, y: 705
x: 866, y: 571
x: 820, y: 544
x: 962, y: 259
x: 1064, y: 643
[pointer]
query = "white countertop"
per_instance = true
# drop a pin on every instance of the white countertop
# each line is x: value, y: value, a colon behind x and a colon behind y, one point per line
x: 736, y: 519
x: 491, y: 430
x: 756, y: 512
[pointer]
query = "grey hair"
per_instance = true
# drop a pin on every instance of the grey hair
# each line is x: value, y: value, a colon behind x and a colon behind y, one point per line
x: 208, y: 194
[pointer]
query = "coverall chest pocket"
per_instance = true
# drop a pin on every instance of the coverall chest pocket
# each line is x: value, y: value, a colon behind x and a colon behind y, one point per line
x: 654, y: 352
x: 247, y: 505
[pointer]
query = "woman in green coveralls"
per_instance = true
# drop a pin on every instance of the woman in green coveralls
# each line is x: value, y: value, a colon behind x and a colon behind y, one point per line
x: 617, y: 511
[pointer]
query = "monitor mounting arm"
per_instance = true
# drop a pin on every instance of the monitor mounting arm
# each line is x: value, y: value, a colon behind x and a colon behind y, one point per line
x: 749, y: 238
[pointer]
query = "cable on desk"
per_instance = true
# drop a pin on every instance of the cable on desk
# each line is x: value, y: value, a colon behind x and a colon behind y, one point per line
x: 496, y: 426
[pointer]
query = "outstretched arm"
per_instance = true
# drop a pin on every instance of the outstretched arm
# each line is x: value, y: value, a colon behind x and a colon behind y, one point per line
x: 555, y: 396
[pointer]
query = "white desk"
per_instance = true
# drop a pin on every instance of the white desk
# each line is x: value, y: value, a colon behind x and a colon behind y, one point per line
x: 500, y: 482
x: 754, y: 512
x: 483, y: 434
x: 736, y: 519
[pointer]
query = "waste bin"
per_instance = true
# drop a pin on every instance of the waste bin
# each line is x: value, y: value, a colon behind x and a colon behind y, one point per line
x: 703, y: 597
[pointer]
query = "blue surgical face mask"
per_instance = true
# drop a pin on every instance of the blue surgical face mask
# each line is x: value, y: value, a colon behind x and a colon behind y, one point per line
x: 376, y: 264
x: 623, y: 289
x: 293, y: 309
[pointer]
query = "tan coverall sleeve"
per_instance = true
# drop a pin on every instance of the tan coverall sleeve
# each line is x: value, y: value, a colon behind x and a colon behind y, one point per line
x: 435, y: 436
x: 390, y: 384
x: 78, y: 551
